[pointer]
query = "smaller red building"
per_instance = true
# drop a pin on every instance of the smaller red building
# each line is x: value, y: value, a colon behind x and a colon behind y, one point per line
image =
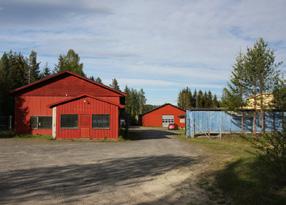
x: 163, y: 116
x: 93, y: 118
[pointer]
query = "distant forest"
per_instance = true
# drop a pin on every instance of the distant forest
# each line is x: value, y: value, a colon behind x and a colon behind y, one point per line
x: 198, y: 99
x: 17, y: 70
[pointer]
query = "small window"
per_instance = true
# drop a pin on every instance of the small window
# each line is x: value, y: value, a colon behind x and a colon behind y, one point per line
x: 41, y: 122
x: 44, y: 122
x: 69, y: 121
x: 34, y: 122
x: 101, y: 121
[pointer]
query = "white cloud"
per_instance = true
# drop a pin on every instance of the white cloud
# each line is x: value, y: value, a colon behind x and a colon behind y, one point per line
x: 162, y: 42
x: 143, y: 83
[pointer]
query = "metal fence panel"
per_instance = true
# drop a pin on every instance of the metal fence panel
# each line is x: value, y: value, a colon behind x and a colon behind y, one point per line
x: 207, y: 122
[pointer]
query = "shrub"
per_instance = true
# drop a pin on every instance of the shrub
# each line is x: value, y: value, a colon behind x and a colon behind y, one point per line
x: 272, y: 150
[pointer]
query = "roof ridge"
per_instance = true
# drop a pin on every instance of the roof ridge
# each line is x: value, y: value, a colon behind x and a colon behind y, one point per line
x: 81, y: 96
x: 62, y: 73
x: 163, y: 106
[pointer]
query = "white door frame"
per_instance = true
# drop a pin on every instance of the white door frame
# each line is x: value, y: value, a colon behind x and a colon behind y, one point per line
x: 54, y: 123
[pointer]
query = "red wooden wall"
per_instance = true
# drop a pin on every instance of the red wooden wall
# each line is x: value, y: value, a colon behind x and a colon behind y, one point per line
x: 36, y: 99
x: 27, y: 106
x: 85, y: 107
x: 71, y: 86
x: 154, y: 118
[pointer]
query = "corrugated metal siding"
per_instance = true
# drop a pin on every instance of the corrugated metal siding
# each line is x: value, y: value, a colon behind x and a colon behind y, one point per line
x: 154, y: 118
x: 89, y: 106
x: 202, y: 122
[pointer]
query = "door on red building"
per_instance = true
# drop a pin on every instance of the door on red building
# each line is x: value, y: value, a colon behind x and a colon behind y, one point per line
x: 85, y: 125
x: 167, y: 119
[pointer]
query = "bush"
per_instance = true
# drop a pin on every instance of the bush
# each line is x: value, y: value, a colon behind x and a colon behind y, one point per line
x: 7, y: 134
x: 272, y: 150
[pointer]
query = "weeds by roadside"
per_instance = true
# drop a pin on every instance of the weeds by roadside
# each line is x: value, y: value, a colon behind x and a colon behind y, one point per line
x: 239, y: 169
x: 11, y: 134
x: 7, y: 134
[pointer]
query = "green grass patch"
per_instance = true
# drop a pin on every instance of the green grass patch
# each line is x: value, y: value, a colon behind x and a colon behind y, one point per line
x: 233, y: 145
x: 46, y: 137
x: 7, y: 134
x: 240, y: 173
x: 11, y: 134
x: 249, y: 181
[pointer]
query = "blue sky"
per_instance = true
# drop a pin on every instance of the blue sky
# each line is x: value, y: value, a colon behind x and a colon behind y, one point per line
x: 161, y: 46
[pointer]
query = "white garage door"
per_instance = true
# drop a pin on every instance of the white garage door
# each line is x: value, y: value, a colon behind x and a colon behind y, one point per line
x: 167, y: 119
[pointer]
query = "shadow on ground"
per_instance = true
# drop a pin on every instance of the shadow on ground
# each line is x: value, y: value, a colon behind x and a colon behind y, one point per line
x: 252, y: 182
x: 74, y: 182
x: 147, y: 134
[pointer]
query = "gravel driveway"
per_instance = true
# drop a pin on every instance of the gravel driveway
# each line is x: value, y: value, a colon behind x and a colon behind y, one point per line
x: 156, y: 168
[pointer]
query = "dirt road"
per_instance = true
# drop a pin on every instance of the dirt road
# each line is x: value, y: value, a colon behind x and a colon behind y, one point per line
x: 154, y: 168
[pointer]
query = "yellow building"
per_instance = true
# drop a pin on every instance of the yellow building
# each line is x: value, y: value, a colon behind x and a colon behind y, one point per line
x: 267, y: 102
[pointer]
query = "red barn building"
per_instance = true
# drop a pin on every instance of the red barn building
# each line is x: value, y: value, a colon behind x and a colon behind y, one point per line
x: 163, y: 116
x: 66, y: 105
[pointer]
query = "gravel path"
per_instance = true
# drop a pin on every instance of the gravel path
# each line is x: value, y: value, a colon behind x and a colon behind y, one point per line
x: 156, y: 168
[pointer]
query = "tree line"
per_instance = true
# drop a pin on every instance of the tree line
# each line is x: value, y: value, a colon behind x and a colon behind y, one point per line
x: 16, y: 70
x: 135, y: 102
x: 198, y: 99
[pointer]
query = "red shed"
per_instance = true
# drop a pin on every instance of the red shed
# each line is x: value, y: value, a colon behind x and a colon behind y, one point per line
x: 163, y: 116
x: 66, y: 105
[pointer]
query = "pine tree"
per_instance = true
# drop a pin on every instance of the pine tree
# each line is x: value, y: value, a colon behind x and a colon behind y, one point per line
x: 215, y: 102
x: 127, y: 99
x: 135, y: 103
x: 255, y: 73
x: 194, y: 99
x: 46, y: 72
x: 13, y: 70
x: 98, y: 80
x: 4, y: 84
x: 18, y: 70
x: 33, y: 68
x: 70, y: 62
x: 200, y: 100
x: 205, y: 100
x: 142, y: 101
x: 115, y: 84
x: 233, y: 95
x: 209, y: 100
x: 262, y: 75
x: 185, y: 98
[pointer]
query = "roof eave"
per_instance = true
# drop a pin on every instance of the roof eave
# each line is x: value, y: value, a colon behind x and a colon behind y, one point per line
x: 15, y: 91
x: 82, y: 96
x: 163, y: 106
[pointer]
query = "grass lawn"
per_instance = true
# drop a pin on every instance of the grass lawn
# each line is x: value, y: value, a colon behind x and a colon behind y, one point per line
x: 240, y: 173
x: 10, y: 134
x: 46, y: 137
